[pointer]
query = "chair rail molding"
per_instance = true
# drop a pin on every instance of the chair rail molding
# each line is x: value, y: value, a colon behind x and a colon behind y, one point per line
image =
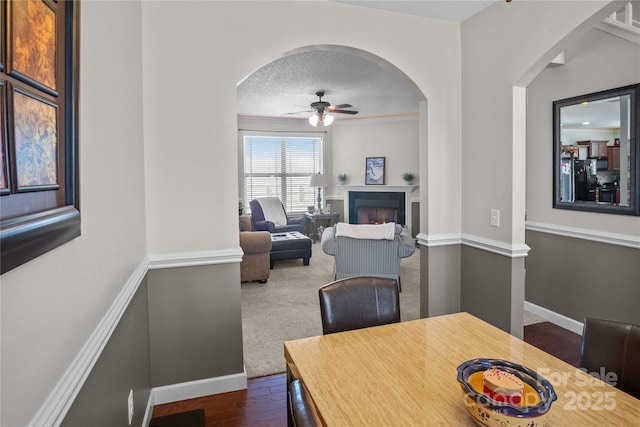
x: 190, y: 259
x: 518, y: 250
x: 625, y: 240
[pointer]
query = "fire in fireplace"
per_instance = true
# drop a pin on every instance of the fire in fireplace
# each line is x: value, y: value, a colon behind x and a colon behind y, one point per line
x: 367, y: 207
x: 373, y: 215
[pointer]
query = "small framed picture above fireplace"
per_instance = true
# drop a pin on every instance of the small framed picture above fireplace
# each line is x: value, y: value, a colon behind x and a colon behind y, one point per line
x: 374, y: 174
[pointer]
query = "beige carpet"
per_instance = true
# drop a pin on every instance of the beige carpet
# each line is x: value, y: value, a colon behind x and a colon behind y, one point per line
x: 287, y: 308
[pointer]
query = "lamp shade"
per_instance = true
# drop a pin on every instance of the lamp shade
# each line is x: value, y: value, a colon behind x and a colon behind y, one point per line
x: 319, y: 180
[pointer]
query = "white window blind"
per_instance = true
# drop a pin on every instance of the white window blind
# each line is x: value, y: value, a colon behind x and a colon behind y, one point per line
x: 281, y: 166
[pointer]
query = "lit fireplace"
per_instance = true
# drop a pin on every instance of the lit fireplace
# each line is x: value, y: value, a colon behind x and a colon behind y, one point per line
x: 368, y: 207
x: 373, y: 215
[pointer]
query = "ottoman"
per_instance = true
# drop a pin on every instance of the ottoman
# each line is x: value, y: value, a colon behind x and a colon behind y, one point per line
x: 290, y: 245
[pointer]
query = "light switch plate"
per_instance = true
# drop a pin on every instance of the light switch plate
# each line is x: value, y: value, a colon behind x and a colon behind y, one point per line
x: 495, y: 218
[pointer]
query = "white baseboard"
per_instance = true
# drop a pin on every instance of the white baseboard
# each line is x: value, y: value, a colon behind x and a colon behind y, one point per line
x: 555, y: 318
x: 193, y: 389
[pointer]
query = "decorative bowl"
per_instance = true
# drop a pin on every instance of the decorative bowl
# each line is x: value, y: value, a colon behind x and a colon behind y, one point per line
x: 537, y: 397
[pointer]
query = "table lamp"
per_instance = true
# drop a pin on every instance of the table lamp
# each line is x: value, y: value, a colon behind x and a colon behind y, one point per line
x: 319, y: 180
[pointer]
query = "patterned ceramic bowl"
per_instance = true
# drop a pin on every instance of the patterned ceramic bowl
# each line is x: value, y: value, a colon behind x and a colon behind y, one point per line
x: 537, y: 397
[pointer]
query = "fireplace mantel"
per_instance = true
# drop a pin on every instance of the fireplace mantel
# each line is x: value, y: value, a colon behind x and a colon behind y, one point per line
x: 407, y: 189
x: 380, y: 188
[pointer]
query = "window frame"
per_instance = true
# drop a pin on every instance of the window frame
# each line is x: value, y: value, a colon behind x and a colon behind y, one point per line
x: 37, y: 231
x: 283, y: 135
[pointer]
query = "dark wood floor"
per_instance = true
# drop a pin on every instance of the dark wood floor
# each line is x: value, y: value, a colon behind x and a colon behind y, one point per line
x: 264, y: 403
x: 563, y: 344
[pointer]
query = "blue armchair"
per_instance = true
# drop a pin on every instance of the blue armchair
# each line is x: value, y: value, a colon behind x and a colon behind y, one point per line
x: 268, y: 214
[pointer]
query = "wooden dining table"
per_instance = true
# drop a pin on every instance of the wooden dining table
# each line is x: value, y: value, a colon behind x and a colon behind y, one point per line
x: 404, y: 374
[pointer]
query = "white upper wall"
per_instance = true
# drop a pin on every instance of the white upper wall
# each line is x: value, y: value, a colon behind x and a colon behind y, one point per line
x: 190, y: 78
x: 52, y: 304
x: 397, y: 141
x: 498, y: 54
x: 598, y: 61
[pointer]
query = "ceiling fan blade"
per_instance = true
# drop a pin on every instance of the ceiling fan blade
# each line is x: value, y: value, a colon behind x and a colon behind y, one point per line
x: 340, y: 106
x: 298, y: 112
x: 344, y: 111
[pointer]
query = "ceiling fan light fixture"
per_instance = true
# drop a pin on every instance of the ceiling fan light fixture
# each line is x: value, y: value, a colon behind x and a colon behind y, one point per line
x: 321, y: 110
x: 327, y: 119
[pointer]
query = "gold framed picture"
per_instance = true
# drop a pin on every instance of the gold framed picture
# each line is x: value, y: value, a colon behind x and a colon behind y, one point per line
x: 32, y: 43
x: 36, y: 142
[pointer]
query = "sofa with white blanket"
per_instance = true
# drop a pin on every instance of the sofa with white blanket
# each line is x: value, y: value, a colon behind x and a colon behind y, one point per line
x: 367, y: 249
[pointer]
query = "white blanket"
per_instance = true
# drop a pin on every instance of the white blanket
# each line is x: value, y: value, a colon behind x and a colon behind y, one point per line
x: 366, y: 231
x: 272, y: 210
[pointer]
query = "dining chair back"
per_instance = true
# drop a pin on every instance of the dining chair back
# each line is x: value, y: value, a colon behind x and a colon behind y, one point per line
x: 302, y: 413
x: 610, y: 346
x: 358, y: 302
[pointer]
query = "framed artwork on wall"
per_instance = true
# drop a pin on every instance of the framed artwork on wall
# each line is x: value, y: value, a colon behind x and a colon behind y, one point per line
x: 36, y: 142
x: 4, y: 176
x: 39, y: 162
x: 33, y: 44
x: 374, y: 173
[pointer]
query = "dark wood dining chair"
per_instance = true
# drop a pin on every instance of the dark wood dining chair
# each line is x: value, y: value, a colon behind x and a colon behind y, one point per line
x: 302, y: 412
x: 612, y: 346
x: 358, y: 302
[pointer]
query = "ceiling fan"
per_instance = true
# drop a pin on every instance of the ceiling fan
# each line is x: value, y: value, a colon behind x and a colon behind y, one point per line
x: 322, y: 110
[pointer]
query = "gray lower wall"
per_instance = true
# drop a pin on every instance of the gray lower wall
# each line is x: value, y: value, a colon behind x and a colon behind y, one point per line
x: 182, y: 324
x: 439, y: 280
x: 457, y: 278
x: 580, y: 278
x: 486, y: 287
x: 415, y: 218
x: 195, y: 323
x: 122, y: 366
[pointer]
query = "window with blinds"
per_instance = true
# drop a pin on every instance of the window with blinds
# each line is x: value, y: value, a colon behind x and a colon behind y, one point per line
x: 281, y: 166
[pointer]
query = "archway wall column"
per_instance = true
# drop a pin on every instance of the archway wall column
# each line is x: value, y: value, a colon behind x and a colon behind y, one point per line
x: 499, y: 59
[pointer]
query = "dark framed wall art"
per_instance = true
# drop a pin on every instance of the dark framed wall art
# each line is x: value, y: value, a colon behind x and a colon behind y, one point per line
x: 39, y: 188
x: 4, y: 178
x: 374, y: 173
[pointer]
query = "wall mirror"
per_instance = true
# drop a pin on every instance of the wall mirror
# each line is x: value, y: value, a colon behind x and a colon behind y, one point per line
x: 595, y: 152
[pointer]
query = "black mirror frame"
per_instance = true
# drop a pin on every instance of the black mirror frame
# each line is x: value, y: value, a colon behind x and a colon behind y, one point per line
x: 634, y: 113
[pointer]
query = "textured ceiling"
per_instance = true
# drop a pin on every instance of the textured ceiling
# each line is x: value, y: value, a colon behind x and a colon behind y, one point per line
x: 372, y: 86
x: 288, y: 85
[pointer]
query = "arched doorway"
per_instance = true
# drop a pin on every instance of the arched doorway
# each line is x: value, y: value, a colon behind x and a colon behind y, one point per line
x: 343, y: 72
